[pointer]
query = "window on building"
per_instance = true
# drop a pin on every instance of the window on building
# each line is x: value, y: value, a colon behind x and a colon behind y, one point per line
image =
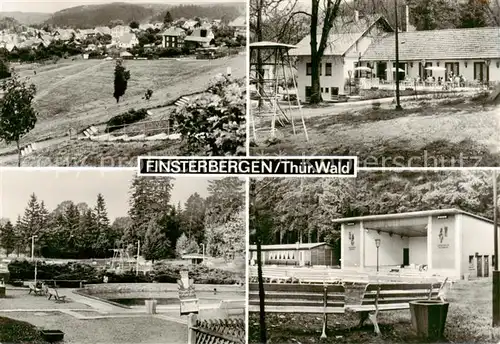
x: 471, y: 262
x: 321, y: 89
x: 320, y: 69
x: 308, y: 68
x: 328, y: 69
x: 327, y: 90
x: 493, y: 260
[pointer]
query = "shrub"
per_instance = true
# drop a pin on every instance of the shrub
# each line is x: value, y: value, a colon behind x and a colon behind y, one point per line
x: 120, y: 121
x: 213, y: 124
x: 25, y: 270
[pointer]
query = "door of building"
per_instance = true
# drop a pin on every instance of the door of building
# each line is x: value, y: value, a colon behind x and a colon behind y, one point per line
x: 481, y: 72
x: 486, y: 271
x: 479, y: 266
x: 301, y: 258
x: 406, y: 256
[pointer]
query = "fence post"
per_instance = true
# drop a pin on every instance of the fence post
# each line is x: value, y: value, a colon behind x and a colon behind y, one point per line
x: 191, y: 332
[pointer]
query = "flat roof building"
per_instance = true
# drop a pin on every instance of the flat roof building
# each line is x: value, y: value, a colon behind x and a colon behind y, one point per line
x: 449, y: 242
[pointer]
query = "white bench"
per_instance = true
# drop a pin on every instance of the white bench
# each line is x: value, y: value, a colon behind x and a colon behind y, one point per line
x: 379, y: 297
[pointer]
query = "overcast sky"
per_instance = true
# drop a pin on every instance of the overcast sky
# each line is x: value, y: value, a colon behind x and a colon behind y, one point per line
x: 57, y: 5
x: 53, y: 187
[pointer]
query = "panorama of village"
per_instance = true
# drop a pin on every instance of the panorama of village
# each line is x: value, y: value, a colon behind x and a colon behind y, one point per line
x: 411, y: 83
x: 109, y: 257
x: 99, y: 85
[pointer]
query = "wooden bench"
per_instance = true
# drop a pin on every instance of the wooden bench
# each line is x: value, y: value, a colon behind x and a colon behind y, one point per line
x: 52, y: 292
x: 379, y: 297
x: 299, y: 298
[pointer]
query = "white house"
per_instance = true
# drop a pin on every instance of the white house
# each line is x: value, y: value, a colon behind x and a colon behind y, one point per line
x: 447, y: 242
x: 348, y: 41
x: 126, y: 41
x: 239, y: 25
x: 200, y: 37
x: 119, y: 31
x: 472, y: 53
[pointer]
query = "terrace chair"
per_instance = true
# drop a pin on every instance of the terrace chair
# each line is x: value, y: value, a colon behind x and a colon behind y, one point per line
x: 36, y: 291
x: 58, y: 298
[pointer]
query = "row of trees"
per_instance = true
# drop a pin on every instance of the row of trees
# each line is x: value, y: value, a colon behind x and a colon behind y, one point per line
x: 292, y: 209
x: 77, y: 230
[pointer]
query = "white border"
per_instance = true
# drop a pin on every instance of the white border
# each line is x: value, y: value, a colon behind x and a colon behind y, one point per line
x: 222, y: 175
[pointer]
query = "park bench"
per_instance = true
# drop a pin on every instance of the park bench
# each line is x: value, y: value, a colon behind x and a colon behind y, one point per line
x: 379, y: 297
x: 52, y: 292
x: 34, y: 289
x: 299, y: 298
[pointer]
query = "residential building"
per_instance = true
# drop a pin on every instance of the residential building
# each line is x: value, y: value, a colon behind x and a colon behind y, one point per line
x: 239, y: 25
x: 447, y: 242
x: 173, y: 37
x: 119, y: 31
x: 472, y: 53
x: 200, y: 38
x: 103, y: 30
x: 126, y: 41
x: 348, y: 41
x: 298, y: 254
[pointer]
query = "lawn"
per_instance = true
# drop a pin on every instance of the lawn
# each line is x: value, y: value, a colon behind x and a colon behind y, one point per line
x: 439, y: 133
x: 138, y: 329
x: 15, y: 331
x: 97, y: 154
x: 79, y: 93
x: 469, y: 321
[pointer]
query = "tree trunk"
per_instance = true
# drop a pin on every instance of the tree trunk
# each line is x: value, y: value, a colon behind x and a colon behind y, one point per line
x: 262, y: 318
x: 315, y: 57
x: 259, y: 70
x: 18, y: 153
x: 315, y: 81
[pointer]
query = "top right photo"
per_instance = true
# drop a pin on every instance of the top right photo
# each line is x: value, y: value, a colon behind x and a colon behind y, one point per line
x: 398, y: 83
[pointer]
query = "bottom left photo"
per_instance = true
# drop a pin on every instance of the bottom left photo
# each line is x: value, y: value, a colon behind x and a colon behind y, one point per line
x: 105, y: 256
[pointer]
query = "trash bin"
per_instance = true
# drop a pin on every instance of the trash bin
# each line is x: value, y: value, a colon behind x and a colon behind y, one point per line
x: 52, y: 336
x: 151, y: 306
x: 428, y: 318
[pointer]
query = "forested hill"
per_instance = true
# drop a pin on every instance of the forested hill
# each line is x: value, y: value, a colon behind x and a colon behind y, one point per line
x: 89, y: 16
x: 26, y: 18
x: 290, y: 208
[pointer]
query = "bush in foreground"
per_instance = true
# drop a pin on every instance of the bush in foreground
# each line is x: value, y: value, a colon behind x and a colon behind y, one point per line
x: 130, y: 117
x: 14, y: 331
x: 214, y: 124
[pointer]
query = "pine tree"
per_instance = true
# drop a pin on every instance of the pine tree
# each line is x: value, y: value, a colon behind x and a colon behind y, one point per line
x: 121, y: 80
x: 156, y: 245
x: 104, y: 241
x: 193, y: 217
x: 30, y: 222
x: 8, y: 238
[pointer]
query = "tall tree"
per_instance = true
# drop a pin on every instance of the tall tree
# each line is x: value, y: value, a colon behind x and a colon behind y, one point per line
x: 17, y: 115
x: 8, y: 238
x: 168, y: 18
x: 104, y: 239
x: 156, y: 245
x: 331, y: 12
x: 193, y: 217
x: 121, y: 80
x: 474, y: 13
x: 30, y: 222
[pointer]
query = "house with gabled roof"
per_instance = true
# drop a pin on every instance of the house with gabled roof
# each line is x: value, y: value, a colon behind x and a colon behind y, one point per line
x: 173, y: 37
x: 126, y: 41
x: 239, y: 25
x: 473, y: 53
x: 347, y: 43
x: 200, y: 37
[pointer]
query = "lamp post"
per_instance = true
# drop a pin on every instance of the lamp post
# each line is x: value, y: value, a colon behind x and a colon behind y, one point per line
x: 203, y: 252
x: 33, y: 253
x: 496, y: 273
x: 137, y: 260
x: 398, y: 101
x: 377, y: 244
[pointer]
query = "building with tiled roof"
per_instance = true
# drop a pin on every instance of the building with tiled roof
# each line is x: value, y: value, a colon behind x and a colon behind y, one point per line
x: 200, y: 38
x: 472, y: 53
x: 348, y: 40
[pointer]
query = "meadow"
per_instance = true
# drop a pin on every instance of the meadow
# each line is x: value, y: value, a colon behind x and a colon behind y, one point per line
x: 77, y: 94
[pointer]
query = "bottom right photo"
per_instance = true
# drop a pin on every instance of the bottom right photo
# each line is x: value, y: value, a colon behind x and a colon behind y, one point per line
x: 393, y: 257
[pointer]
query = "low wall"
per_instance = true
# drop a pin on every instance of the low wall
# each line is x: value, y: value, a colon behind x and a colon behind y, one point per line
x: 125, y: 288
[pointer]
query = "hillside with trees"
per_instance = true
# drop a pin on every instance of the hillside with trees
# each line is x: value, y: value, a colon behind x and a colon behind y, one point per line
x: 90, y: 16
x: 166, y: 230
x: 27, y: 18
x: 293, y: 209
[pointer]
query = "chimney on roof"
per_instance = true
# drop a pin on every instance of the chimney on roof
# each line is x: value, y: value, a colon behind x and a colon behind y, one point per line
x: 407, y: 18
x: 356, y: 16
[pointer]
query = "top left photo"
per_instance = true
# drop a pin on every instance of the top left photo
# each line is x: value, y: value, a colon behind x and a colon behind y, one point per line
x: 97, y: 84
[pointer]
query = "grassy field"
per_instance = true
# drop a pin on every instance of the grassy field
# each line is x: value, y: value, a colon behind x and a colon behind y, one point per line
x: 469, y: 321
x: 97, y: 154
x: 440, y: 133
x: 77, y: 94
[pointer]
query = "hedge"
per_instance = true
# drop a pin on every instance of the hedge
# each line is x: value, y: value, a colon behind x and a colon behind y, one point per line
x: 161, y: 273
x: 130, y: 117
